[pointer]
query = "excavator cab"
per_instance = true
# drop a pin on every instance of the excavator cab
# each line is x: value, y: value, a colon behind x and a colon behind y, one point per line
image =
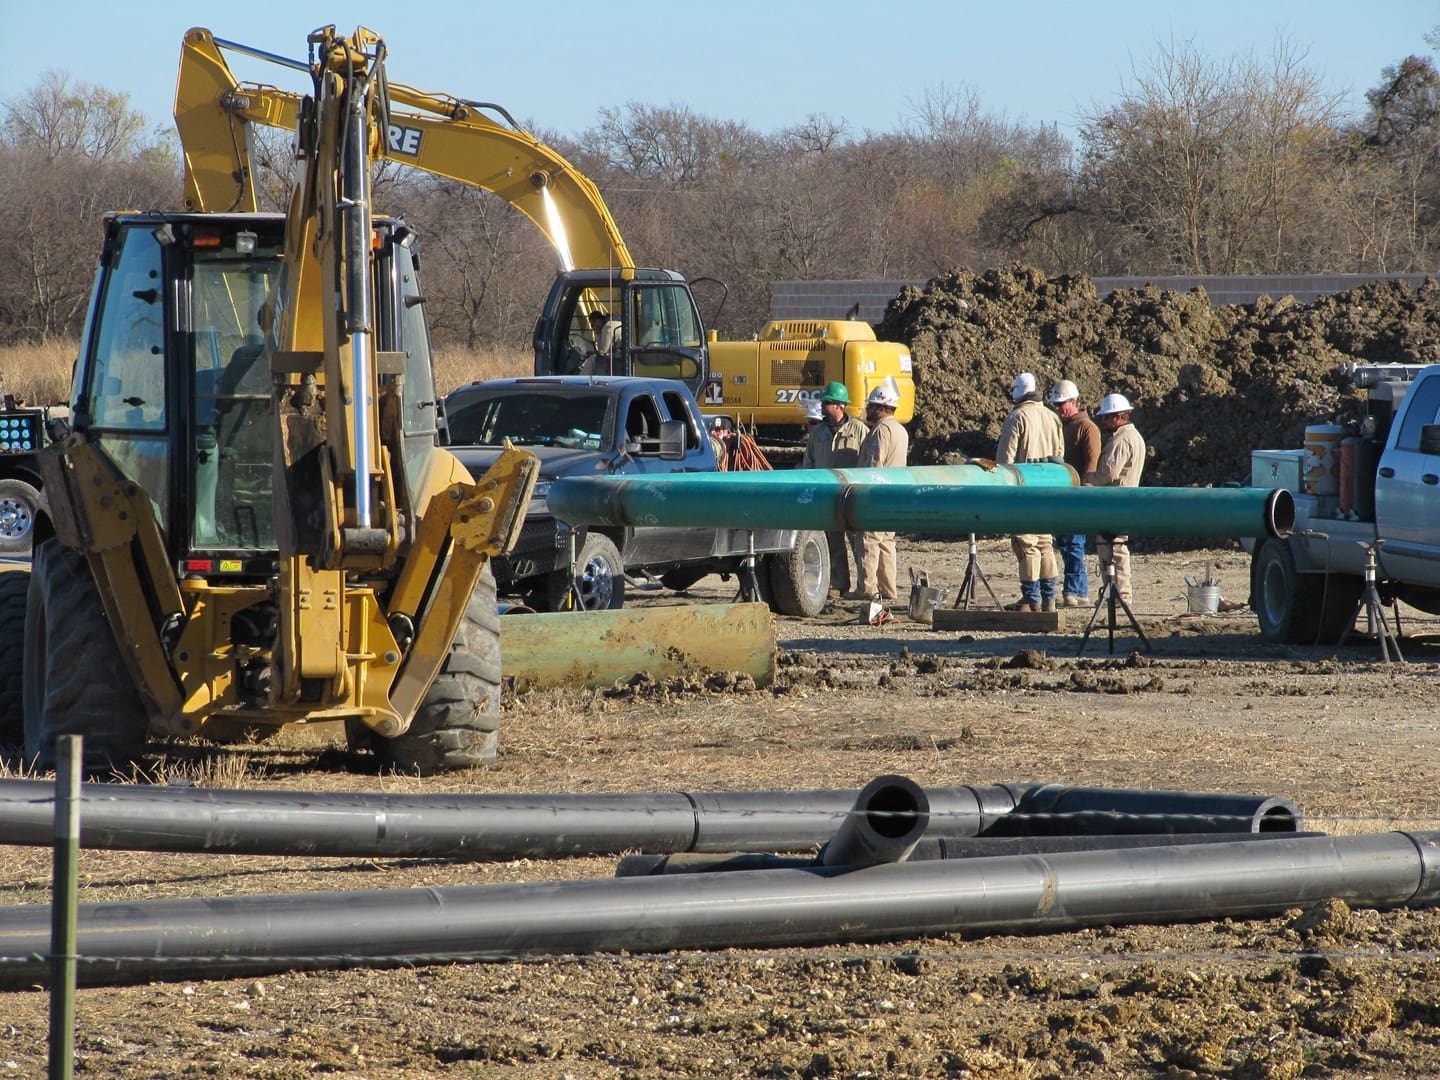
x: 661, y: 336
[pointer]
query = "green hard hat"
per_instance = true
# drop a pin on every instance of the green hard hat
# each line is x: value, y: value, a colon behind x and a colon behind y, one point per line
x: 836, y: 391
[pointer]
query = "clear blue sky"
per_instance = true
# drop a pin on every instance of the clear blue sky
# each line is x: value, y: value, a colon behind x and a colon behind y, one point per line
x: 769, y: 64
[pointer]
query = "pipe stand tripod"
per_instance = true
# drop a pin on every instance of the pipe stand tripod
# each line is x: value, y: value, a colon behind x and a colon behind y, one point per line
x: 974, y: 577
x: 1110, y: 599
x: 1376, y: 622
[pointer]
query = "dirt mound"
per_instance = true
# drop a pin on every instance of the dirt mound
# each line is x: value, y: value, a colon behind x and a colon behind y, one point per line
x: 1209, y: 383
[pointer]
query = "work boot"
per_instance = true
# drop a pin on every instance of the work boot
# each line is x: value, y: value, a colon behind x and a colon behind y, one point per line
x: 1022, y: 605
x: 1047, y: 605
x: 1073, y: 601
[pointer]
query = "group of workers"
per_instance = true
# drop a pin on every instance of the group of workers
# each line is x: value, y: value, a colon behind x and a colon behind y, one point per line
x: 1063, y: 432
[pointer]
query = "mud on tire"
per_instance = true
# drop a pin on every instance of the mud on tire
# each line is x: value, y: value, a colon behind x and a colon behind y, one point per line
x: 458, y: 723
x: 75, y: 680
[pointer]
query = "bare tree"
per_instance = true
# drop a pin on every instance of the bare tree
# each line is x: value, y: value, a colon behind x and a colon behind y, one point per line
x: 1204, y: 163
x: 60, y: 119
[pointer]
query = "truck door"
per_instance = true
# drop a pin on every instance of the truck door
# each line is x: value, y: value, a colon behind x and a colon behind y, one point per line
x: 1407, y: 491
x: 650, y: 545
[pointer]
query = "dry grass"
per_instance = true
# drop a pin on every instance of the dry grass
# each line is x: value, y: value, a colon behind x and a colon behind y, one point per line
x: 38, y: 374
x: 456, y: 366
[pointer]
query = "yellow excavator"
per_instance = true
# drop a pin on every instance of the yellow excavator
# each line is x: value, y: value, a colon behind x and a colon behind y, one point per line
x: 250, y: 522
x: 765, y: 383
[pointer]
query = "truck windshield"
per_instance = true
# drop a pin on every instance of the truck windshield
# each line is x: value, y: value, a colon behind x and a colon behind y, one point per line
x: 488, y: 420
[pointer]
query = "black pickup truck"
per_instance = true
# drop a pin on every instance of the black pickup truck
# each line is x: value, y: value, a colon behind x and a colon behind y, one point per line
x: 584, y: 426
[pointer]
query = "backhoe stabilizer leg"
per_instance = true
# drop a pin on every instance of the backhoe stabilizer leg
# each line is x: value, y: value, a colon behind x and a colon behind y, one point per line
x: 462, y: 528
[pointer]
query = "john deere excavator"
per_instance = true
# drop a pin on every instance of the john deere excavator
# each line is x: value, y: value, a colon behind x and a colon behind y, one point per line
x: 763, y: 383
x: 250, y: 522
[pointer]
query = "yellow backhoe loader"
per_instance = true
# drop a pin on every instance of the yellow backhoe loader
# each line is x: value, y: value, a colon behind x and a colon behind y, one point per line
x: 250, y: 522
x: 657, y: 327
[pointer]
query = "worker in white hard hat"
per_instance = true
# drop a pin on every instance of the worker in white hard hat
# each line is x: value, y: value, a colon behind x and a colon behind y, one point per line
x: 1032, y: 433
x: 1122, y: 460
x: 834, y: 443
x: 886, y: 447
x: 1082, y: 451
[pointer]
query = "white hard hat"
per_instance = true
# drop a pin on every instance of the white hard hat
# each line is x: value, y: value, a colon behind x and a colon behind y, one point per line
x: 887, y: 394
x: 1113, y: 403
x: 1064, y: 390
x: 813, y: 411
x: 1024, y: 384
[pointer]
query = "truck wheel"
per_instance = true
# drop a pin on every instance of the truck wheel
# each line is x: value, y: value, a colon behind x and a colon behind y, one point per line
x: 599, y: 578
x: 1300, y: 609
x: 1279, y: 595
x: 800, y: 578
x: 19, y: 503
x: 13, y: 586
x: 458, y: 724
x: 682, y: 577
x: 75, y: 680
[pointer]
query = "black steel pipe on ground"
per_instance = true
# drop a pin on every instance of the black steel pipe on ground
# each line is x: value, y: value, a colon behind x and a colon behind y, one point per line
x: 381, y: 825
x: 939, y: 847
x: 1058, y: 809
x: 235, y: 935
x: 889, y: 817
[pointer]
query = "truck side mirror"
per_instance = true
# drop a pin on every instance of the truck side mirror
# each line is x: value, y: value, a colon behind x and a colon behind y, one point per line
x: 672, y: 440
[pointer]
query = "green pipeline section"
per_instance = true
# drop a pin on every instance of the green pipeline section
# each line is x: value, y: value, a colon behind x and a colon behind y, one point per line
x: 1037, y: 502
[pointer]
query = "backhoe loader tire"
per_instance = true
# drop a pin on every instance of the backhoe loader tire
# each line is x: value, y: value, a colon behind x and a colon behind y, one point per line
x: 13, y: 586
x: 76, y: 681
x: 800, y: 577
x: 458, y: 724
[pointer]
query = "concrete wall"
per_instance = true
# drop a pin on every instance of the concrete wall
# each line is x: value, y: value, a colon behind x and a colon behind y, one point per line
x: 833, y: 299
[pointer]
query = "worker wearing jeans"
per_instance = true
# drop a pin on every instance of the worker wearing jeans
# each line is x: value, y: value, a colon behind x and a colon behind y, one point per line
x: 1082, y: 452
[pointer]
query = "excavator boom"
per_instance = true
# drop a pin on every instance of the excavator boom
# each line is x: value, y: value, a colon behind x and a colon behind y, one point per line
x: 436, y: 133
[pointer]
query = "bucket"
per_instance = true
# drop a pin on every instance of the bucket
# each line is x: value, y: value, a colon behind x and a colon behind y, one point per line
x: 1320, y: 470
x: 923, y: 599
x: 1202, y: 599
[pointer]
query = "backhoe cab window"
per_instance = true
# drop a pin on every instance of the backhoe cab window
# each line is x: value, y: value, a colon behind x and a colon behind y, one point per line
x: 666, y: 333
x: 123, y: 401
x: 234, y: 497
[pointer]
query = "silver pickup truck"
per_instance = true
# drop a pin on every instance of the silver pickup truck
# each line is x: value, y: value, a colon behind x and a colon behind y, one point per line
x: 1371, y: 494
x: 601, y: 425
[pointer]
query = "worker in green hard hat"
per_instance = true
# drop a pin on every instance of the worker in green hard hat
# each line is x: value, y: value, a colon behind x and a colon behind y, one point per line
x: 834, y: 443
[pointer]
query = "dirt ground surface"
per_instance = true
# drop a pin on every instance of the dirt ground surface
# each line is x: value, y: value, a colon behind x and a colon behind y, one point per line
x: 1322, y: 991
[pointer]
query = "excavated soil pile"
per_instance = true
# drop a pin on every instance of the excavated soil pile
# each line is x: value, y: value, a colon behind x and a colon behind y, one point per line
x: 1209, y: 384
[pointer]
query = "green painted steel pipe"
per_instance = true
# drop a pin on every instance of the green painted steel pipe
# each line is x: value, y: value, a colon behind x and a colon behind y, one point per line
x: 800, y: 498
x: 778, y: 500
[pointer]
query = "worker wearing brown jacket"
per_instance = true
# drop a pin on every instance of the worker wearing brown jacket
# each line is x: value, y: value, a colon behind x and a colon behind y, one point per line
x: 1082, y: 452
x: 886, y: 447
x: 1122, y: 460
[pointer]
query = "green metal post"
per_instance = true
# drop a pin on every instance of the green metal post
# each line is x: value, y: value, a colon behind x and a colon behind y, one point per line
x: 69, y: 757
